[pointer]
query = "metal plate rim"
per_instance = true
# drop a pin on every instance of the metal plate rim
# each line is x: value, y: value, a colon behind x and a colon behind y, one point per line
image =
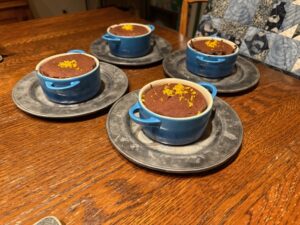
x: 124, y: 63
x: 220, y: 90
x: 55, y: 116
x: 169, y: 169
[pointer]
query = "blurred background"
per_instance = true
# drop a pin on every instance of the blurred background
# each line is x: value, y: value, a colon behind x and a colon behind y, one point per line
x: 162, y: 12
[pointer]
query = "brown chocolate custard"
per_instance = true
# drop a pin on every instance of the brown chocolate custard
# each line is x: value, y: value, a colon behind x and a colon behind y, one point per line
x: 212, y: 47
x: 174, y: 100
x: 66, y: 66
x: 129, y: 30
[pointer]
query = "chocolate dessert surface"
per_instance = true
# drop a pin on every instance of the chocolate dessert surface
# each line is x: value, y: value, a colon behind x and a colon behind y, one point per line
x: 212, y: 47
x: 65, y: 66
x: 128, y: 30
x: 174, y: 100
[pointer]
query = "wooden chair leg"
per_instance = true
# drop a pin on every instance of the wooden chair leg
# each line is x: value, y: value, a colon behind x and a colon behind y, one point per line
x: 184, y: 15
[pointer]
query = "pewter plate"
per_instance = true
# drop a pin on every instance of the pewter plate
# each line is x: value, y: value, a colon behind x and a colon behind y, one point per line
x: 29, y: 97
x: 49, y: 220
x: 220, y: 142
x: 160, y: 49
x: 243, y: 78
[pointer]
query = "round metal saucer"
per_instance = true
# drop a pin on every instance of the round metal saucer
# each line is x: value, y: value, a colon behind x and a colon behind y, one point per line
x: 160, y: 49
x: 245, y: 75
x: 221, y: 141
x: 28, y: 95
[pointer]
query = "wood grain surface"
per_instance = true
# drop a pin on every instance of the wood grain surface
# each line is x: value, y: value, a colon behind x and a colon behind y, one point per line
x: 69, y: 168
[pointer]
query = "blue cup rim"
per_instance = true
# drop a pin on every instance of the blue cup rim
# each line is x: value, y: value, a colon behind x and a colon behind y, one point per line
x: 128, y: 37
x: 214, y: 38
x: 37, y: 68
x: 203, y: 90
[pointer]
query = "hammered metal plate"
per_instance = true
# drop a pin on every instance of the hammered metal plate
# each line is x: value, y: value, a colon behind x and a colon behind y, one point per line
x: 160, y: 49
x: 29, y: 96
x: 220, y: 142
x: 244, y: 77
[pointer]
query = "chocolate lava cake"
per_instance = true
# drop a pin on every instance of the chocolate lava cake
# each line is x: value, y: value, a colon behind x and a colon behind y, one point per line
x: 66, y: 66
x: 212, y: 47
x: 128, y: 30
x: 174, y: 100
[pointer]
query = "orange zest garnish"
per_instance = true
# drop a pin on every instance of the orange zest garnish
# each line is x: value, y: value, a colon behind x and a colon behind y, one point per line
x: 181, y: 90
x: 211, y: 43
x: 128, y: 27
x: 68, y: 64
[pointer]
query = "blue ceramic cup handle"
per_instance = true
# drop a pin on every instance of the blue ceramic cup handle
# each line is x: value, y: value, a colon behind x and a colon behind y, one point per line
x: 76, y: 51
x: 213, y: 90
x: 144, y: 122
x: 202, y: 59
x: 110, y: 38
x: 50, y: 85
x: 152, y: 27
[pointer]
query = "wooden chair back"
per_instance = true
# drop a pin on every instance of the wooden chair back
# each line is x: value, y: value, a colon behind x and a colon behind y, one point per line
x: 184, y: 14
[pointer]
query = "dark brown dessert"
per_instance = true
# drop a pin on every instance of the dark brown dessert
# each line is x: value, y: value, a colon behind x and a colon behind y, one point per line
x: 212, y: 47
x: 129, y: 30
x: 174, y: 100
x: 65, y: 66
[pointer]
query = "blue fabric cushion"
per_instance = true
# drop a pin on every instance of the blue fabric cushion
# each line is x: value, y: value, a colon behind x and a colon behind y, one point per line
x: 265, y: 30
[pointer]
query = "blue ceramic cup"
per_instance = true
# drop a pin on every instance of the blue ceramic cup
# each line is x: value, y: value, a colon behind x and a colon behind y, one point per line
x: 171, y: 130
x: 129, y: 46
x: 210, y: 66
x: 70, y: 90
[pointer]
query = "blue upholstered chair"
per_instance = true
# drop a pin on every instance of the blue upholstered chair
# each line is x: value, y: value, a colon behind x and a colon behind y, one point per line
x: 265, y: 30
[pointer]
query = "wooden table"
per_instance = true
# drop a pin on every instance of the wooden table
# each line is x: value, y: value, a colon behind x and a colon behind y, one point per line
x: 70, y: 169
